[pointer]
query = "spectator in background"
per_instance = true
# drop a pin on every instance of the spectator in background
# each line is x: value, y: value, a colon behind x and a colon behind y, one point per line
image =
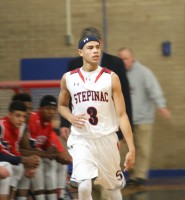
x: 145, y: 91
x: 108, y: 61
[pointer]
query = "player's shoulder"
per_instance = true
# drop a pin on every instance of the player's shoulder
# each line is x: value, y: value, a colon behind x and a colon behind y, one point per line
x: 1, y: 121
x: 75, y: 71
x: 114, y: 77
x: 4, y: 122
x: 1, y: 126
x: 106, y: 70
x: 71, y: 74
x: 34, y: 117
x: 142, y: 68
x: 34, y: 114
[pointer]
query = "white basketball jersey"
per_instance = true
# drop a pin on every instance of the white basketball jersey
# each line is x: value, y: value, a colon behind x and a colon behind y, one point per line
x: 91, y: 94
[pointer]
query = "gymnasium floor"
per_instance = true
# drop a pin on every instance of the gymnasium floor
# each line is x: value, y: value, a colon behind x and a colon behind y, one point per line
x: 168, y: 188
x: 165, y: 188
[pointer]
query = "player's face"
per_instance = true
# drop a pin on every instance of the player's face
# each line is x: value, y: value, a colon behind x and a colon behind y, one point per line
x: 91, y: 52
x: 48, y: 112
x: 17, y: 118
x: 29, y: 109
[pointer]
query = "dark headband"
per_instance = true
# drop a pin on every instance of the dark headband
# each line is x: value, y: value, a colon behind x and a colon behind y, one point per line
x: 86, y: 40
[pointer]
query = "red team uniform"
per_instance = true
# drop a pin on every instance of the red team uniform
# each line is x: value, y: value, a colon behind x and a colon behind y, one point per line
x: 42, y: 136
x: 56, y: 142
x: 9, y: 138
x: 40, y: 131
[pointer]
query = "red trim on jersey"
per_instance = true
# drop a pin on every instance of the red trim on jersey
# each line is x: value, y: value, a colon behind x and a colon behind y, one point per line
x: 79, y: 72
x: 74, y: 71
x: 107, y: 70
x: 101, y: 72
x: 81, y: 75
x: 118, y: 145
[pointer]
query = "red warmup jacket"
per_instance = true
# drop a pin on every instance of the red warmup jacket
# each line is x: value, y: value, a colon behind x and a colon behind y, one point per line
x: 10, y: 137
x: 56, y: 142
x: 41, y: 133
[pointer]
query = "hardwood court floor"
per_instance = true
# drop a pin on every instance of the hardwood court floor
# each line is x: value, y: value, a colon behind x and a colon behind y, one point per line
x: 168, y: 188
x: 157, y: 189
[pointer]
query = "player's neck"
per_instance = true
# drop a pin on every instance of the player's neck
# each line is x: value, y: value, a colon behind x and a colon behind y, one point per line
x: 89, y: 68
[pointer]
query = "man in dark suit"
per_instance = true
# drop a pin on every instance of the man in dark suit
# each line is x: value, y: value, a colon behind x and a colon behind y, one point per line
x: 111, y: 62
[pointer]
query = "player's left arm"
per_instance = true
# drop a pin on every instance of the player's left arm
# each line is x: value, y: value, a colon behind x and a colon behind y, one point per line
x: 24, y: 143
x: 123, y: 120
x: 62, y: 155
x: 26, y: 149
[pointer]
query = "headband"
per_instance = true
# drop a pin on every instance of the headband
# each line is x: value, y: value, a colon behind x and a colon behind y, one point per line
x: 86, y: 40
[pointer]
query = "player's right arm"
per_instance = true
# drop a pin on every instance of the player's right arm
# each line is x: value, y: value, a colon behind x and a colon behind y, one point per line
x: 63, y: 100
x: 63, y: 106
x: 31, y: 161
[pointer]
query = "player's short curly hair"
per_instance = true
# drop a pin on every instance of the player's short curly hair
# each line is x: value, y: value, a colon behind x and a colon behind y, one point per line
x: 17, y: 105
x: 22, y: 97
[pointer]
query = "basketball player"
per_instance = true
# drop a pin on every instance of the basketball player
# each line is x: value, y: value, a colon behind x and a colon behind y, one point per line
x: 25, y: 148
x: 10, y: 136
x: 45, y: 140
x: 98, y: 111
x: 61, y: 173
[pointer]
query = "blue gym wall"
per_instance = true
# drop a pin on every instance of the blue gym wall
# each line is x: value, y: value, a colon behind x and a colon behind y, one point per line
x: 43, y: 68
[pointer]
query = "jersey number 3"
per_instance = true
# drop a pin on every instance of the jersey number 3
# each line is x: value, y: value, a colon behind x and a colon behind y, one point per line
x: 93, y: 116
